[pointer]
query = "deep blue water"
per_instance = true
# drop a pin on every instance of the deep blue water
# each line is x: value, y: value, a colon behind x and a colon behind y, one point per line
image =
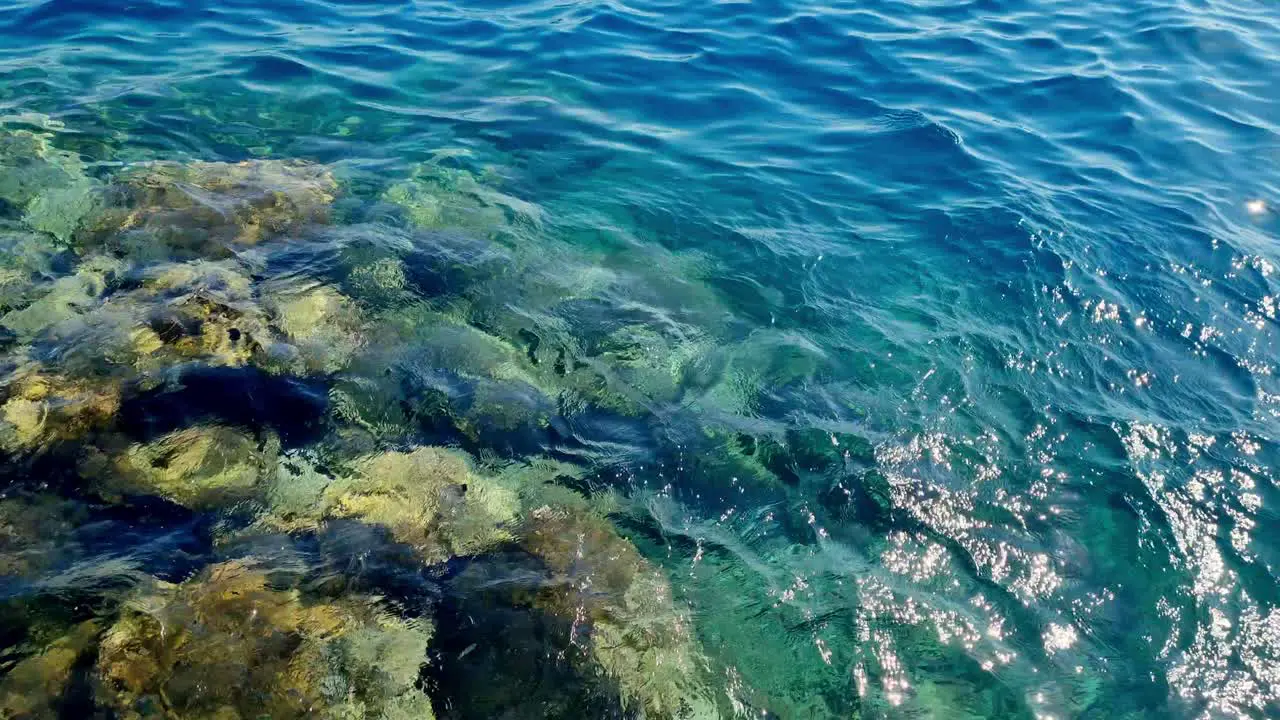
x: 1000, y: 276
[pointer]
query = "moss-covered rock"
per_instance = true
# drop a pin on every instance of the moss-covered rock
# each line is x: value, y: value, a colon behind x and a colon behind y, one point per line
x: 429, y: 499
x: 42, y: 408
x: 29, y: 164
x: 136, y: 338
x: 35, y: 687
x: 372, y: 410
x: 436, y: 196
x: 49, y: 184
x: 200, y: 467
x: 224, y: 279
x: 214, y: 314
x: 65, y: 298
x: 27, y: 261
x: 379, y: 283
x: 506, y: 408
x: 625, y: 610
x: 322, y: 324
x: 34, y: 532
x: 432, y: 372
x: 210, y: 209
x: 642, y: 365
x: 227, y: 644
x: 737, y: 379
x: 60, y: 211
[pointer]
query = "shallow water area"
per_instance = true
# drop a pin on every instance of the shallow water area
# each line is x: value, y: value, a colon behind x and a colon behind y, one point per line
x: 412, y: 359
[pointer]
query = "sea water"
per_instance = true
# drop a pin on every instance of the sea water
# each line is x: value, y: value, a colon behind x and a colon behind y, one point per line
x: 895, y: 358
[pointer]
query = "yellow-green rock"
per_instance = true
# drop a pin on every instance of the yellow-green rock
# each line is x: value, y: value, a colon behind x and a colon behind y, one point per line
x: 209, y: 209
x: 33, y: 688
x: 42, y: 408
x: 66, y: 298
x: 322, y: 324
x: 635, y: 633
x: 48, y: 183
x: 380, y: 282
x: 429, y: 499
x: 441, y: 197
x: 200, y: 467
x: 226, y: 644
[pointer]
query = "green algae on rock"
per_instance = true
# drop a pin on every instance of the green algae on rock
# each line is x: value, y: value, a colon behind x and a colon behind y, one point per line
x: 48, y: 183
x: 634, y: 632
x: 432, y: 369
x: 27, y: 261
x: 34, y: 688
x: 199, y: 328
x: 323, y: 325
x: 212, y: 313
x: 29, y: 164
x: 61, y: 211
x: 65, y: 298
x: 210, y: 209
x: 199, y: 467
x: 380, y: 283
x: 436, y: 196
x: 43, y: 408
x: 227, y: 645
x: 429, y: 499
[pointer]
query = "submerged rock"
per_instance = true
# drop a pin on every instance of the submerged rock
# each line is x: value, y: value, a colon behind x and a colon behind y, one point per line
x: 65, y: 298
x: 322, y: 324
x: 209, y: 209
x: 641, y: 365
x: 35, y: 532
x: 60, y: 211
x: 624, y: 609
x: 154, y: 319
x: 199, y: 467
x: 34, y: 689
x: 431, y: 373
x: 380, y: 283
x: 27, y: 264
x: 42, y: 408
x: 226, y: 645
x: 223, y: 279
x: 428, y: 499
x: 48, y: 184
x: 436, y: 196
x: 205, y: 312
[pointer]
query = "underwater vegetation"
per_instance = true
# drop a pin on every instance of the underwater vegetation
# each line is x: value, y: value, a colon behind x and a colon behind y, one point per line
x: 47, y: 186
x: 631, y: 626
x: 226, y: 644
x: 208, y: 209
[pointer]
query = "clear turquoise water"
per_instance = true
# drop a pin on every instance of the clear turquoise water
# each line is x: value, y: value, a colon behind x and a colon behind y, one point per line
x: 962, y: 317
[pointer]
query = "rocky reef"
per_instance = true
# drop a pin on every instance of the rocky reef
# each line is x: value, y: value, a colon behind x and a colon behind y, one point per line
x: 42, y: 408
x: 474, y: 389
x: 623, y: 612
x: 47, y: 184
x: 35, y: 687
x: 227, y: 644
x: 198, y: 467
x: 210, y: 209
x: 428, y: 499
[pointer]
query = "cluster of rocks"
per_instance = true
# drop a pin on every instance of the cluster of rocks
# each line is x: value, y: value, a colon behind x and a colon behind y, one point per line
x: 448, y: 363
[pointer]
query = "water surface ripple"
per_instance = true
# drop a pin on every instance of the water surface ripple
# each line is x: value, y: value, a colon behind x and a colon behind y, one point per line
x: 939, y: 338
